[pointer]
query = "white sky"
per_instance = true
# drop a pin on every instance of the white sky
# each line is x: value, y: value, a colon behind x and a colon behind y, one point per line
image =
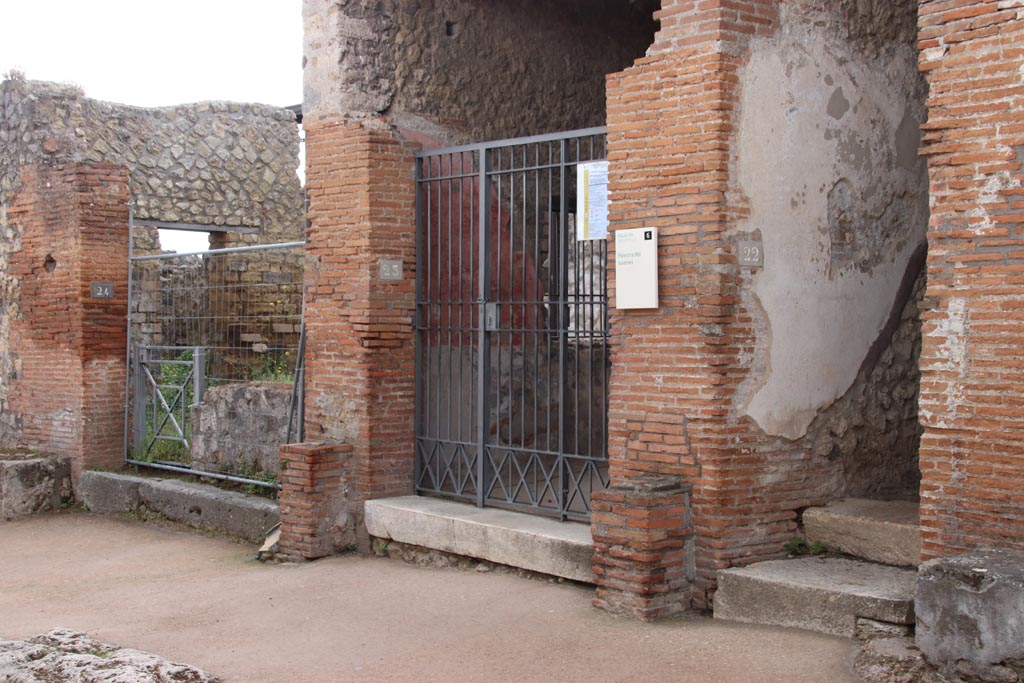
x: 159, y: 52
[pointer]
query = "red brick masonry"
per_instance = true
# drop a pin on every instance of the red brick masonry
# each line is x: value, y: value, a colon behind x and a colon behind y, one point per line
x: 643, y: 546
x: 311, y: 486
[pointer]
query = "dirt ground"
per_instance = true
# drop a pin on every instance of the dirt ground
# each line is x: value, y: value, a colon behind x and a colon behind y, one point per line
x: 206, y: 601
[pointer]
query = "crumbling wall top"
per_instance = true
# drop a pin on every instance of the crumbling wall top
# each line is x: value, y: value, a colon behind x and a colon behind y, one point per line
x: 211, y: 163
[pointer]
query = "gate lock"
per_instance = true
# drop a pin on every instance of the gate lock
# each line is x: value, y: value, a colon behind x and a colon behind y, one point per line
x: 491, y: 316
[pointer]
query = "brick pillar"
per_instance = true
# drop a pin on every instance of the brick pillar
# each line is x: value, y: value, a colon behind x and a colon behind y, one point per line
x: 312, y: 496
x: 643, y: 545
x: 360, y: 364
x: 670, y: 127
x: 972, y: 450
x: 69, y: 392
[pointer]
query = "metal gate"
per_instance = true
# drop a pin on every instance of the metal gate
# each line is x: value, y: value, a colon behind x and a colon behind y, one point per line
x: 215, y: 348
x: 512, y: 320
x: 168, y: 380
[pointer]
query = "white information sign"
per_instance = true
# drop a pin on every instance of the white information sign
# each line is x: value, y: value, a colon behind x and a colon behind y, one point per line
x: 636, y: 268
x: 592, y: 201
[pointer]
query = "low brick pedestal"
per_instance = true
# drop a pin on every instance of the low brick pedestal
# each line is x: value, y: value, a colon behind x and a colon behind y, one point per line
x: 643, y: 546
x: 311, y: 494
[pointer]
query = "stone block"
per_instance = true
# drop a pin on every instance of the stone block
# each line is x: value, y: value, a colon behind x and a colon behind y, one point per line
x: 970, y: 609
x: 209, y: 508
x: 199, y: 505
x: 515, y: 539
x: 239, y: 426
x: 871, y: 629
x: 826, y: 595
x: 891, y: 660
x: 32, y: 483
x: 875, y: 530
x: 109, y: 492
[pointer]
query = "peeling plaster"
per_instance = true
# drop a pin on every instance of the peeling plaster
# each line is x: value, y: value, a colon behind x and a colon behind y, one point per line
x: 993, y: 193
x: 954, y: 329
x: 841, y: 205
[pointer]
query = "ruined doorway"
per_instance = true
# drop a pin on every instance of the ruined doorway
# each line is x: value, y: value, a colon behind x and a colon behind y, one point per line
x: 215, y: 341
x: 512, y: 327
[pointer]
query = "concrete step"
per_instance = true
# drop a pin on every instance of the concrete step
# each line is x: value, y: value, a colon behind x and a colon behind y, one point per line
x: 876, y: 530
x: 514, y: 539
x: 827, y: 595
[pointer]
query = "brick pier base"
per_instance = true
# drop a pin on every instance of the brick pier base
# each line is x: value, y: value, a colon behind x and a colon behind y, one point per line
x: 312, y: 497
x: 643, y: 546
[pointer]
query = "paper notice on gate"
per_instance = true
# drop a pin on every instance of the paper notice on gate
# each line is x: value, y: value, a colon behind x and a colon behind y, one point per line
x: 592, y: 201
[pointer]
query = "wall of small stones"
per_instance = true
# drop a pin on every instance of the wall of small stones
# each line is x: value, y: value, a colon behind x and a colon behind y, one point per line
x: 10, y: 242
x: 239, y: 428
x: 211, y: 163
x: 872, y: 434
x: 455, y: 70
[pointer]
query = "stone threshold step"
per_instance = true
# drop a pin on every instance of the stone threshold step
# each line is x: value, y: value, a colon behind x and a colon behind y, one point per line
x: 200, y: 506
x: 514, y: 539
x: 827, y: 595
x: 876, y: 530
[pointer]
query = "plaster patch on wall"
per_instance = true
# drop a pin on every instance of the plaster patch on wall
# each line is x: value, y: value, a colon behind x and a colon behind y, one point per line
x: 992, y: 193
x: 339, y: 422
x: 839, y: 214
x: 953, y: 360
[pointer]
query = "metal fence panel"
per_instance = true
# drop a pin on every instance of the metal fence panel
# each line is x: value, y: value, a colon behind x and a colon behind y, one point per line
x: 215, y: 355
x: 512, y: 322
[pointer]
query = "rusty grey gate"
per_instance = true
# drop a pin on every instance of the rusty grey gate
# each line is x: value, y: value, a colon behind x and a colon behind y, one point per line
x: 512, y: 320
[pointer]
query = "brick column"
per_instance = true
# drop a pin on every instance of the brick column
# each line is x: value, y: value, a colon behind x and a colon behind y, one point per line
x: 70, y: 346
x: 972, y: 450
x: 360, y: 364
x: 643, y: 545
x: 670, y: 127
x: 311, y: 498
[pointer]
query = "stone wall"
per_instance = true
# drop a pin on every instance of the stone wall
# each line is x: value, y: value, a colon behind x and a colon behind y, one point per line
x: 828, y: 330
x: 239, y: 427
x: 10, y: 243
x: 839, y: 200
x: 211, y: 163
x: 452, y: 69
x: 872, y: 434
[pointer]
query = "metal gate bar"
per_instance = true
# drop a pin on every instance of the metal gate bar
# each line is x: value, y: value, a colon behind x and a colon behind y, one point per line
x: 512, y: 324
